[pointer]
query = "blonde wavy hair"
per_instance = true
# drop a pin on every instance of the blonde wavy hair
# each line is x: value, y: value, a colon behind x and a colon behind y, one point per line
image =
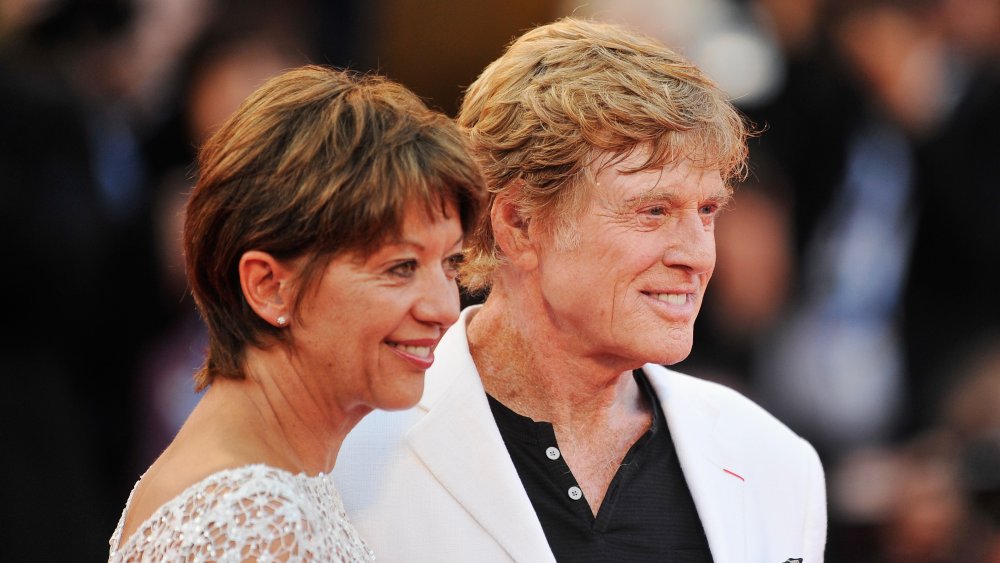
x: 562, y: 95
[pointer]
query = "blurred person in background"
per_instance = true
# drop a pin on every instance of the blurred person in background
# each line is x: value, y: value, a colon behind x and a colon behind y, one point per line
x: 837, y: 364
x: 979, y: 478
x: 931, y: 497
x: 68, y: 205
x: 549, y: 429
x: 322, y: 243
x: 959, y: 194
x: 971, y: 415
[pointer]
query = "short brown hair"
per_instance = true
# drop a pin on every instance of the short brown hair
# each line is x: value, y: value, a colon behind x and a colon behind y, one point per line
x: 316, y: 162
x: 565, y: 92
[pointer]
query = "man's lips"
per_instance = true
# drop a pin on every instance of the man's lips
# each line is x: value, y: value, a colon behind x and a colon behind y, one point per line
x: 674, y: 296
x: 671, y: 298
x: 674, y: 304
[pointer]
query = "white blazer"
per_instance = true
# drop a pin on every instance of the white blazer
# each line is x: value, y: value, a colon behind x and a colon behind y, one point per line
x: 435, y: 482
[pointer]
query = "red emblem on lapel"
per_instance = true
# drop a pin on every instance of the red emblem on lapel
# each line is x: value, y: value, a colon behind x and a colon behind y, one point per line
x: 734, y: 474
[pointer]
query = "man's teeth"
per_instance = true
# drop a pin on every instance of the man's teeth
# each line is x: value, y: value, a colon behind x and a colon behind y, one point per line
x: 422, y: 351
x: 672, y: 298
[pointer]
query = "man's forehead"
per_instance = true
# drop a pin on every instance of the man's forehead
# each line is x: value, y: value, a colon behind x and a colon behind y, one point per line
x: 622, y: 182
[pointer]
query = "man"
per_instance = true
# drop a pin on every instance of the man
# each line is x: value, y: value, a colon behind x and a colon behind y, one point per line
x: 548, y: 430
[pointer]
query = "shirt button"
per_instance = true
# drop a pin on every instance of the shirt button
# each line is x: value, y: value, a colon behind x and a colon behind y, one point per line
x: 575, y: 493
x: 552, y: 453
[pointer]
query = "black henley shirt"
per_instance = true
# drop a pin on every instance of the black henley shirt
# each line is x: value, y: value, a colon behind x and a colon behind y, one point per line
x: 647, y: 514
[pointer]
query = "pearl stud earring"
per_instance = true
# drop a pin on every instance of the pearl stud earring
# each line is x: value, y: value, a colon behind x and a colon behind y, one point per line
x: 282, y: 320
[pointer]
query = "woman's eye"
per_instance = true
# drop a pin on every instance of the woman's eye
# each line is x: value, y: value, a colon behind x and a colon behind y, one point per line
x: 708, y: 209
x: 404, y: 269
x: 657, y: 211
x: 453, y: 262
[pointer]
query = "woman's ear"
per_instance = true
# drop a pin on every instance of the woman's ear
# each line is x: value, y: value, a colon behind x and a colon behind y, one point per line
x: 267, y: 285
x: 511, y: 232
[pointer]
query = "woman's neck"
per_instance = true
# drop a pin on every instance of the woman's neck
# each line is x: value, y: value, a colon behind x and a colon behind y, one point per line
x: 272, y: 414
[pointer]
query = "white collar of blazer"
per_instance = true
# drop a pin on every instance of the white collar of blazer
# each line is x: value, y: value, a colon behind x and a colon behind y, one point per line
x: 710, y: 463
x: 503, y: 508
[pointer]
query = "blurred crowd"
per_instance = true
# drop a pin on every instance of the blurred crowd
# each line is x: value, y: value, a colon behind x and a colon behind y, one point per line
x: 855, y: 293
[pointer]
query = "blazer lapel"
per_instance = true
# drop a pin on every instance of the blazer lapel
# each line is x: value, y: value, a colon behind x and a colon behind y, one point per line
x: 461, y: 446
x: 711, y: 467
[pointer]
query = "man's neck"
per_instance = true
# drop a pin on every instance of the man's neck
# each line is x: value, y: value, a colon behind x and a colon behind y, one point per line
x: 597, y: 410
x: 534, y: 370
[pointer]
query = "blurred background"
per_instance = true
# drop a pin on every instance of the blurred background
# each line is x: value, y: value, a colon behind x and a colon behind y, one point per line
x: 855, y: 295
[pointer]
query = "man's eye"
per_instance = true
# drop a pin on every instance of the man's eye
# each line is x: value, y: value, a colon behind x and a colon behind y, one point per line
x: 404, y: 269
x: 653, y: 216
x: 709, y: 209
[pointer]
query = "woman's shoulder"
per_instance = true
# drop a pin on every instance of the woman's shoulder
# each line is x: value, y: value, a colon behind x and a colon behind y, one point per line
x: 249, y: 509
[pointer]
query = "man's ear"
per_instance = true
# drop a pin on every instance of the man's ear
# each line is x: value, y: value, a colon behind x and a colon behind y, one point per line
x: 267, y: 285
x: 512, y: 233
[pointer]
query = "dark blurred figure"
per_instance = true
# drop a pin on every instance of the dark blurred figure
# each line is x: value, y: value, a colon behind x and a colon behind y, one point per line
x: 867, y: 261
x: 63, y: 208
x: 952, y: 300
x: 933, y: 496
x: 220, y: 58
x: 837, y: 367
x: 970, y: 413
x: 979, y: 472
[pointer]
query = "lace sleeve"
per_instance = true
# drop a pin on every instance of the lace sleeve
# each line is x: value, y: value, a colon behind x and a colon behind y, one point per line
x: 268, y: 516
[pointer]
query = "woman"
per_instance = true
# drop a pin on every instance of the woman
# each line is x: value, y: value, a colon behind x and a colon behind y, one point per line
x: 322, y: 242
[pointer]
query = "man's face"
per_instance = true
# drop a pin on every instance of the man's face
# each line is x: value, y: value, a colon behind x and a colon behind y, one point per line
x: 630, y: 290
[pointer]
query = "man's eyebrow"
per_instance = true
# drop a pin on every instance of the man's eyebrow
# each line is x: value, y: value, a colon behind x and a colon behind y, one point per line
x: 662, y: 193
x: 722, y: 197
x: 666, y: 194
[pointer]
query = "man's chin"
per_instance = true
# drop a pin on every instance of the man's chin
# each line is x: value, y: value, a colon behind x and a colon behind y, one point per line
x: 676, y: 353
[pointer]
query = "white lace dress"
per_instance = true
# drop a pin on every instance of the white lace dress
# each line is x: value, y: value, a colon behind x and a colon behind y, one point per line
x: 254, y: 512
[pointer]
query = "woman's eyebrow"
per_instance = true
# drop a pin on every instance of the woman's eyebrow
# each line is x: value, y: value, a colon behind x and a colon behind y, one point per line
x: 413, y: 243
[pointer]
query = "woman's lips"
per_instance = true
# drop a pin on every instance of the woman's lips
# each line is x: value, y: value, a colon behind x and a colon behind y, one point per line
x: 420, y: 353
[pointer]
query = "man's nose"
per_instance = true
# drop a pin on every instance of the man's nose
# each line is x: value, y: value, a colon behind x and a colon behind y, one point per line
x: 691, y: 245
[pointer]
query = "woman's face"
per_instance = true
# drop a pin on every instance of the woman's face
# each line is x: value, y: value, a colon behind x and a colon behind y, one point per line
x: 365, y: 334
